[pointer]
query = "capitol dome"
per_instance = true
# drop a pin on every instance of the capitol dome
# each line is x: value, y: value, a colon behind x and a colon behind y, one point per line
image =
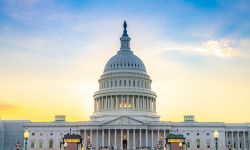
x: 124, y: 87
x: 125, y: 60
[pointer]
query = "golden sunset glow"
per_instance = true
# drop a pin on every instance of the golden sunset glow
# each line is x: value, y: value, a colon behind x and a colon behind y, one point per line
x: 52, y: 66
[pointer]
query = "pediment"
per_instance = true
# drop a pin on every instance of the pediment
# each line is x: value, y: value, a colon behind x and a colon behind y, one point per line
x: 124, y: 121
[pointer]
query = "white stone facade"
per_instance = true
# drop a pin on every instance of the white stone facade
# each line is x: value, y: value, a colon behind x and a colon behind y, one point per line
x: 125, y: 112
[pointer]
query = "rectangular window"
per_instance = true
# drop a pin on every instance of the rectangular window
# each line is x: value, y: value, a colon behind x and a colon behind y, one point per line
x: 32, y: 144
x: 208, y: 144
x: 50, y: 143
x: 41, y: 133
x: 40, y: 144
x: 198, y: 142
x: 188, y: 144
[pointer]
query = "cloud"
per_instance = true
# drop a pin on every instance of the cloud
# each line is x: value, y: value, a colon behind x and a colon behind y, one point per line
x: 218, y: 48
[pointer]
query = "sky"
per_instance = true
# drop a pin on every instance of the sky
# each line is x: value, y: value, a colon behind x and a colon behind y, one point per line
x: 52, y: 53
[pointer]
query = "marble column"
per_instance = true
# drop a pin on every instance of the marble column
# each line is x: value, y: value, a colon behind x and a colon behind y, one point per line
x: 134, y: 139
x: 226, y: 139
x: 102, y: 138
x: 140, y: 138
x: 109, y: 138
x: 133, y: 102
x: 154, y: 105
x: 98, y: 103
x: 244, y: 140
x: 102, y: 103
x: 158, y: 135
x: 115, y: 147
x: 108, y: 102
x: 112, y: 102
x: 140, y: 99
x: 148, y: 98
x: 122, y: 101
x: 144, y: 103
x: 121, y: 147
x: 85, y: 138
x: 148, y: 103
x: 97, y: 144
x: 152, y: 142
x: 137, y: 103
x: 128, y: 139
x: 91, y: 142
x: 146, y: 135
x: 127, y: 101
x: 238, y: 140
x: 116, y: 102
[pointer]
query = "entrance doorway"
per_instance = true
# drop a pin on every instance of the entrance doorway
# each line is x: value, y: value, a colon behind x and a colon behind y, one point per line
x: 124, y: 144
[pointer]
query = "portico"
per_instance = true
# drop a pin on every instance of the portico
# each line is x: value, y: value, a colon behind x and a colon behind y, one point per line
x: 124, y: 133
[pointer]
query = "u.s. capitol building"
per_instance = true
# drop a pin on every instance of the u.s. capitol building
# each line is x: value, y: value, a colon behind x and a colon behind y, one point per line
x: 125, y: 116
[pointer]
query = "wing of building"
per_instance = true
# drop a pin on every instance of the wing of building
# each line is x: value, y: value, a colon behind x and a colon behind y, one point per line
x: 125, y: 116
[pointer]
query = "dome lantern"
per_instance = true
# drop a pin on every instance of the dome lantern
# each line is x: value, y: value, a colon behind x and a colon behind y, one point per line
x: 125, y: 40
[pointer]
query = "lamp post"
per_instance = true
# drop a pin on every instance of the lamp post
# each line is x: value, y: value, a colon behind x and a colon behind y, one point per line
x: 26, y: 135
x: 180, y: 145
x: 216, y: 137
x: 65, y: 145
